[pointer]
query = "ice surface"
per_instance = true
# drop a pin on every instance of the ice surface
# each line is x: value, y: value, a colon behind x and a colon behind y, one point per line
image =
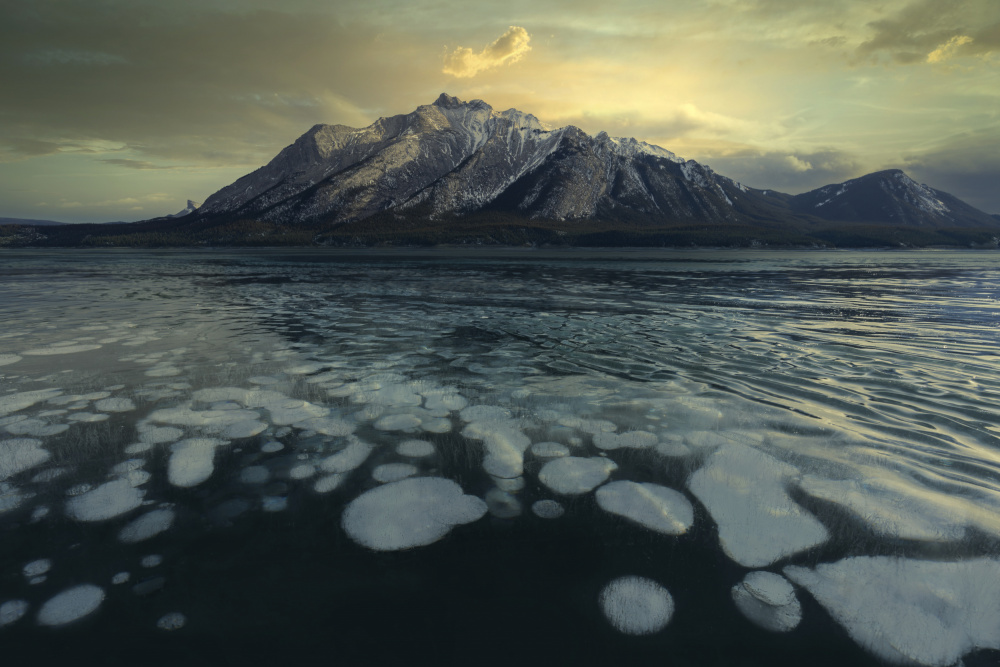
x: 768, y: 600
x: 146, y: 526
x: 192, y: 461
x: 393, y: 472
x: 574, y: 475
x: 12, y: 611
x: 547, y: 509
x: 409, y: 513
x: 70, y: 605
x: 105, y: 502
x: 744, y: 491
x: 636, y: 605
x: 502, y: 504
x: 255, y: 475
x: 910, y: 611
x: 649, y: 505
x: 274, y: 503
x: 415, y: 448
x: 20, y: 454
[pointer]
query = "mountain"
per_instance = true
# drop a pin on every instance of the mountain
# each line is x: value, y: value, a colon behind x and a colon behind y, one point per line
x: 455, y: 158
x: 190, y: 208
x: 889, y: 197
x: 29, y: 222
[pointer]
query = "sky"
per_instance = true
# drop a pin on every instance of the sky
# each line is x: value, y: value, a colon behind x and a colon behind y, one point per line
x: 125, y: 109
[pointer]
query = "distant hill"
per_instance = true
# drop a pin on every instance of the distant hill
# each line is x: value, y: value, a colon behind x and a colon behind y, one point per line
x: 27, y: 221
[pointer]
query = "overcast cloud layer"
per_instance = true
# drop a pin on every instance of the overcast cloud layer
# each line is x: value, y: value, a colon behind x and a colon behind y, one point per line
x: 122, y: 110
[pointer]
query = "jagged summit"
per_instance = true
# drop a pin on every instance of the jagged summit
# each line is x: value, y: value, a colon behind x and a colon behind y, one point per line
x: 454, y: 157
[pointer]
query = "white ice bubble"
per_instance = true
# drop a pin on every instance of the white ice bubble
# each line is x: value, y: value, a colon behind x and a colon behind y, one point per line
x: 326, y: 425
x: 393, y: 472
x: 6, y: 359
x: 348, y: 458
x: 120, y: 578
x: 61, y: 349
x: 158, y: 434
x: 502, y: 504
x: 35, y: 427
x: 415, y: 448
x: 631, y: 439
x: 502, y: 439
x: 768, y: 600
x: 25, y: 399
x: 39, y: 513
x: 302, y: 471
x: 549, y: 450
x: 744, y: 491
x: 547, y: 509
x: 192, y: 461
x: 34, y: 581
x: 435, y: 425
x: 636, y: 605
x: 152, y: 560
x: 138, y: 448
x: 306, y: 368
x: 115, y: 405
x: 107, y: 501
x: 88, y: 417
x: 328, y: 483
x: 574, y: 475
x: 910, y: 611
x: 243, y: 429
x: 163, y: 370
x: 274, y: 503
x: 36, y: 567
x: 271, y: 447
x: 478, y: 413
x: 649, y: 505
x: 172, y: 621
x: 409, y: 513
x: 146, y: 526
x: 70, y: 605
x: 402, y: 422
x: 255, y: 475
x: 12, y: 611
x: 20, y: 454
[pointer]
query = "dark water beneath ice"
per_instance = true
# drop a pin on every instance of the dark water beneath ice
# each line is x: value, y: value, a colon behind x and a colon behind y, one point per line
x: 831, y: 413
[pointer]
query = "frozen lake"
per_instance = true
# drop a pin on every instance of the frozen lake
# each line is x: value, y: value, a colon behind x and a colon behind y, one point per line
x: 500, y: 457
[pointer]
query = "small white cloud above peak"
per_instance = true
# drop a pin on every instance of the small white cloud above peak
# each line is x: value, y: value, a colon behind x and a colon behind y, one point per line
x: 508, y: 48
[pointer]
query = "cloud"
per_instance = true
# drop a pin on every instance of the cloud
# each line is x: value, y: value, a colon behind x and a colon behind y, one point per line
x: 787, y: 172
x: 966, y: 165
x: 948, y: 49
x: 508, y: 48
x: 134, y: 164
x: 932, y: 31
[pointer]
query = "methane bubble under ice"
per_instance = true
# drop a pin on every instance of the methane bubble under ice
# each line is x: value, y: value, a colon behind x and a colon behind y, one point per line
x: 409, y: 513
x: 636, y: 605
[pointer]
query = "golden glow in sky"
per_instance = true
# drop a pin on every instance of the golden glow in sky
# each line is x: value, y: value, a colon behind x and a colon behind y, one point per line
x: 123, y: 110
